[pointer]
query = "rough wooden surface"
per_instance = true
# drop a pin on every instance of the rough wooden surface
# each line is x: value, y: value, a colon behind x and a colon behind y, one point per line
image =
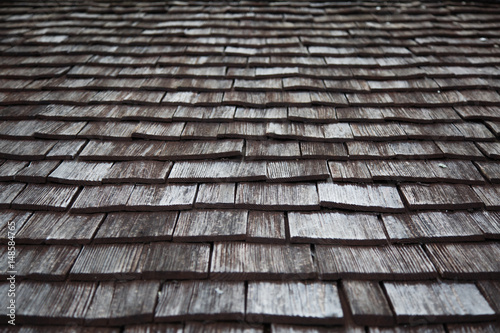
x: 217, y: 171
x: 286, y: 171
x: 94, y: 199
x: 80, y: 173
x: 138, y: 172
x: 439, y: 196
x: 216, y: 195
x: 266, y: 227
x: 159, y: 197
x: 45, y: 197
x: 276, y: 196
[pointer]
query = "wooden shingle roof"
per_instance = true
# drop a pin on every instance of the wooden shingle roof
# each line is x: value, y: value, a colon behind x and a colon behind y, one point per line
x: 248, y: 166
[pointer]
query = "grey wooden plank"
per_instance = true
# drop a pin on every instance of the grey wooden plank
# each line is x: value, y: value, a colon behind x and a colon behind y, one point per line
x: 136, y: 227
x: 337, y: 132
x: 37, y: 294
x: 425, y: 328
x: 160, y: 197
x: 109, y: 262
x: 80, y: 173
x: 201, y: 149
x: 123, y: 303
x: 380, y: 198
x: 323, y: 114
x: 409, y: 170
x: 158, y: 130
x: 201, y: 300
x: 350, y: 171
x: 271, y: 149
x: 108, y: 130
x: 283, y: 328
x: 217, y: 171
x: 121, y: 151
x: 242, y: 130
x: 219, y: 113
x: 221, y: 327
x: 368, y: 304
x: 65, y: 150
x: 466, y: 260
x: 471, y: 328
x: 443, y: 302
x: 266, y: 227
x: 200, y: 131
x: 475, y: 131
x: 377, y: 132
x: 151, y: 172
x: 12, y: 221
x: 289, y: 302
x: 60, y: 130
x: 211, y: 225
x: 489, y: 195
x: 438, y: 132
x: 491, y: 291
x: 329, y: 150
x: 489, y: 222
x: 432, y: 227
x: 491, y: 170
x: 248, y: 261
x: 359, y: 114
x: 8, y: 192
x: 94, y: 199
x: 36, y: 172
x: 59, y: 228
x: 295, y: 130
x: 422, y: 115
x: 335, y: 228
x: 45, y: 197
x: 297, y: 170
x: 490, y: 149
x: 456, y: 172
x: 149, y: 328
x: 213, y: 195
x: 9, y: 169
x: 25, y: 149
x: 439, y: 196
x: 283, y: 196
x: 184, y: 261
x: 394, y: 262
x: 460, y: 150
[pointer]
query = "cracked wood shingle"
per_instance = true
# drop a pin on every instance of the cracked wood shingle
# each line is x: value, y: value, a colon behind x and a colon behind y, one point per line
x: 59, y: 228
x: 36, y: 172
x: 249, y: 261
x: 335, y: 228
x: 122, y: 303
x: 302, y: 131
x: 277, y: 196
x: 289, y: 302
x: 491, y: 290
x: 136, y: 227
x: 433, y: 227
x: 109, y: 262
x: 201, y: 300
x: 380, y: 198
x: 45, y: 197
x: 439, y: 196
x: 217, y: 171
x: 443, y: 302
x: 80, y: 173
x: 184, y: 261
x: 393, y: 262
x: 466, y: 260
x: 211, y: 225
x: 297, y: 170
x: 266, y: 227
x: 25, y: 149
x: 94, y: 199
x: 368, y: 304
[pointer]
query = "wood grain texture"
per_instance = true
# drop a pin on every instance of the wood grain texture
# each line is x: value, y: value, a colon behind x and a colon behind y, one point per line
x: 407, y: 262
x: 217, y: 171
x: 489, y: 195
x: 8, y: 192
x: 491, y: 290
x: 36, y: 172
x: 59, y: 228
x: 261, y: 196
x: 242, y: 130
x: 287, y: 171
x: 65, y: 150
x: 201, y: 300
x: 247, y: 261
x: 136, y: 227
x: 360, y: 197
x: 335, y: 228
x: 266, y: 227
x: 80, y: 173
x: 194, y: 149
x: 457, y: 302
x: 25, y: 149
x: 159, y: 197
x: 138, y: 172
x: 470, y: 328
x: 94, y: 199
x: 13, y: 221
x: 283, y: 328
x: 368, y: 304
x: 150, y: 328
x: 45, y: 197
x: 271, y: 149
x: 158, y: 131
x: 211, y: 225
x: 289, y: 302
x: 184, y: 261
x: 466, y: 260
x: 221, y: 327
x: 350, y: 171
x: 439, y: 196
x: 9, y: 169
x: 218, y: 195
x: 109, y: 262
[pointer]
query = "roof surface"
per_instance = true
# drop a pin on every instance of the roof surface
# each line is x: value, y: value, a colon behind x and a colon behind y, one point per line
x: 251, y: 166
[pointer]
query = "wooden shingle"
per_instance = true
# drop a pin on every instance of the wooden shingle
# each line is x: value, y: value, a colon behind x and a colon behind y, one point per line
x: 211, y: 225
x: 36, y: 172
x: 457, y: 302
x: 279, y: 302
x: 470, y: 328
x: 45, y: 197
x: 489, y: 222
x: 136, y: 227
x: 380, y: 198
x: 490, y: 195
x: 491, y: 170
x: 80, y: 173
x: 350, y: 171
x: 138, y: 172
x: 94, y: 199
x: 159, y: 197
x: 243, y: 130
x: 213, y: 195
x: 191, y: 149
x: 466, y: 260
x: 297, y: 170
x: 65, y: 150
x: 201, y: 300
x: 158, y: 131
x: 120, y: 151
x: 335, y: 228
x: 59, y: 228
x: 272, y: 150
x: 217, y: 171
x: 266, y: 227
x: 13, y: 221
x: 439, y: 196
x: 460, y: 150
x: 276, y: 196
x: 184, y: 261
x: 8, y: 169
x: 8, y: 192
x: 491, y: 290
x: 328, y: 150
x: 248, y: 261
x: 109, y: 262
x: 221, y: 327
x: 392, y: 262
x: 25, y: 149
